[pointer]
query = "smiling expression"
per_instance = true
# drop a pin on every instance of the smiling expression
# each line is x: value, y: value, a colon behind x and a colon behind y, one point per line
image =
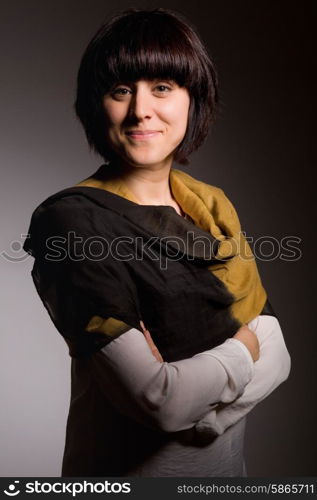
x: 146, y: 120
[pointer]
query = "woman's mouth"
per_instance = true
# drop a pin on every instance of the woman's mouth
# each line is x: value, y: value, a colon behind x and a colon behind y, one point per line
x: 142, y: 135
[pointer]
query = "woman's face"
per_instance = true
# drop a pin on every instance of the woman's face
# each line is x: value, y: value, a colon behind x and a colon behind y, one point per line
x: 146, y: 120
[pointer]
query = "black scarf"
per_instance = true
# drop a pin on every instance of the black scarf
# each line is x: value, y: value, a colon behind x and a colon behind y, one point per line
x: 103, y: 263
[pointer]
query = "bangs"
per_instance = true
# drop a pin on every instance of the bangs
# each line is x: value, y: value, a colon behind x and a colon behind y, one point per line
x: 146, y: 49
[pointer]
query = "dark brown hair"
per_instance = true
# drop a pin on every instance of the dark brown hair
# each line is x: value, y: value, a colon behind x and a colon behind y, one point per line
x: 146, y: 44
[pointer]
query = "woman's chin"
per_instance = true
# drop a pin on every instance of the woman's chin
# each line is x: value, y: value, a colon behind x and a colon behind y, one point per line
x: 144, y: 160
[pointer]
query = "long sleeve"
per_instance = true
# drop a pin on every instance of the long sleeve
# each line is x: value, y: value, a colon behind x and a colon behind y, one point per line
x: 270, y: 370
x: 173, y: 396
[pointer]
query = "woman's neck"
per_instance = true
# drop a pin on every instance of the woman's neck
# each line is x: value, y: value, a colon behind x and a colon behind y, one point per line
x: 149, y: 185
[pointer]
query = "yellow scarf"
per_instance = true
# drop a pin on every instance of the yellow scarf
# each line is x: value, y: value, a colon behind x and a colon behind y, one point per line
x: 213, y: 212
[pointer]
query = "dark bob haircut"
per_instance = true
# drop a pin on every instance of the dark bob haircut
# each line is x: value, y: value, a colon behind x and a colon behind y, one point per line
x: 146, y: 44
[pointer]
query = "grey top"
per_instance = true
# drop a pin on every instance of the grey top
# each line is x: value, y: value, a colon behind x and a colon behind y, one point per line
x: 131, y: 415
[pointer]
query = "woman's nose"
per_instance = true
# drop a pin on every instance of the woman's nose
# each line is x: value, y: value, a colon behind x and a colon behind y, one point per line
x: 141, y: 104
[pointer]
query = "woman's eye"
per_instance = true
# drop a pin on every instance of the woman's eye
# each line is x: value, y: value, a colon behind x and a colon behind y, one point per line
x: 163, y: 88
x: 120, y: 91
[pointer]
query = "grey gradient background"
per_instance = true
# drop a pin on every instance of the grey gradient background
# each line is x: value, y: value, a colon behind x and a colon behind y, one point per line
x: 259, y: 152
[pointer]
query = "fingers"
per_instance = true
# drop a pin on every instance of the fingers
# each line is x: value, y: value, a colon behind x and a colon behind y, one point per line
x: 156, y: 353
x: 153, y: 347
x: 142, y: 325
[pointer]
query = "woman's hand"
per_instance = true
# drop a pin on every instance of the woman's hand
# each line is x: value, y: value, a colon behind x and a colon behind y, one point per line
x: 250, y: 340
x: 156, y: 353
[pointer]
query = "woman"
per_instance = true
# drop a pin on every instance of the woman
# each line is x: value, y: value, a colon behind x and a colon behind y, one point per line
x: 145, y: 272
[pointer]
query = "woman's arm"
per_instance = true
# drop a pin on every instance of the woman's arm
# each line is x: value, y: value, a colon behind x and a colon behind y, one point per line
x: 174, y: 396
x: 272, y: 368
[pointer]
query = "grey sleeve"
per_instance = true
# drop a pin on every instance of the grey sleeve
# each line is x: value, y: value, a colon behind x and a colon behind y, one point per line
x: 170, y: 396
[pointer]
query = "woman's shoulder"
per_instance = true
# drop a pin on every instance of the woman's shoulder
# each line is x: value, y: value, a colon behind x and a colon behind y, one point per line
x: 213, y: 196
x: 65, y: 211
x: 70, y: 201
x: 195, y: 183
x: 59, y: 207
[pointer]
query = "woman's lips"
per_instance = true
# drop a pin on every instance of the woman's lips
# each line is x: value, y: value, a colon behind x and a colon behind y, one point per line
x: 142, y: 136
